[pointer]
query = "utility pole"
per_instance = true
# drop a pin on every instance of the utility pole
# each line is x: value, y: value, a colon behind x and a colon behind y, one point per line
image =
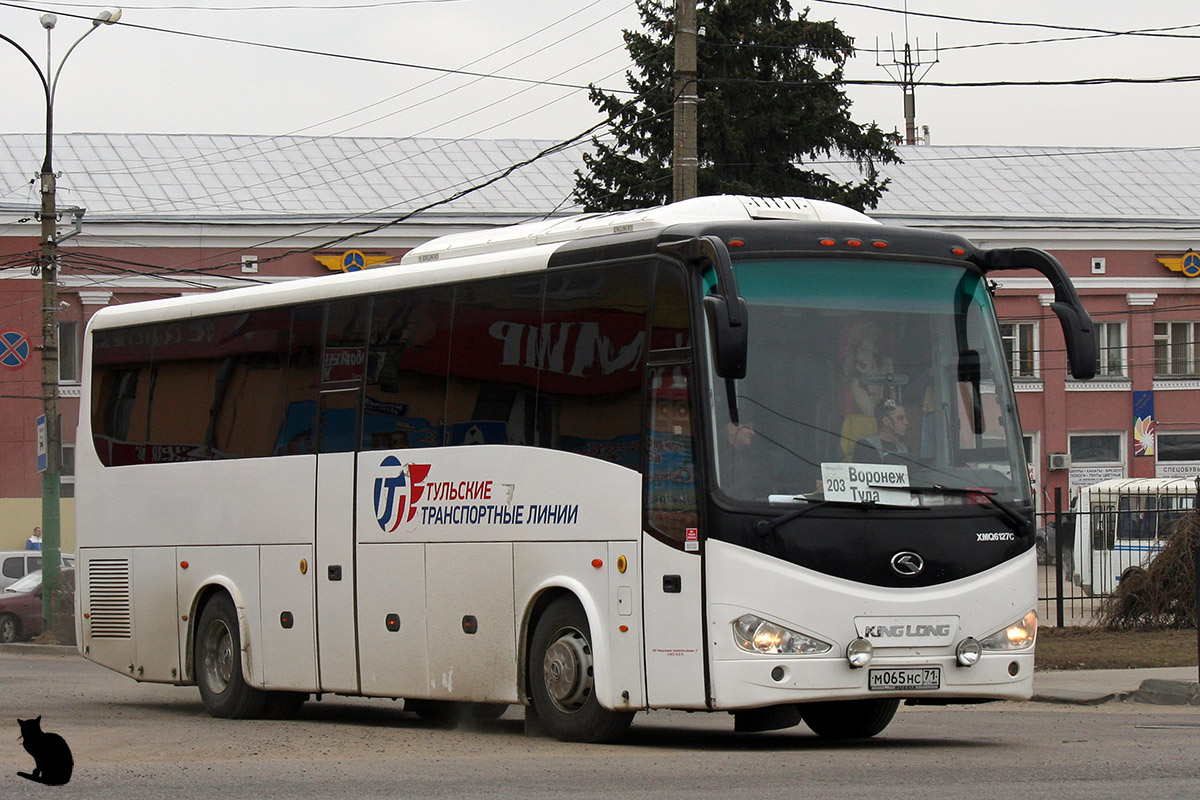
x: 48, y: 268
x: 903, y: 71
x: 685, y: 152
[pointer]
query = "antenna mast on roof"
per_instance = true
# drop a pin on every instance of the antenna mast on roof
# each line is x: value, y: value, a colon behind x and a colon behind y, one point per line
x: 903, y: 71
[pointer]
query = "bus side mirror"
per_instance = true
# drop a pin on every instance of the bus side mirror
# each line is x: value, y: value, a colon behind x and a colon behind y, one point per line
x: 729, y: 341
x: 726, y: 310
x: 1078, y: 331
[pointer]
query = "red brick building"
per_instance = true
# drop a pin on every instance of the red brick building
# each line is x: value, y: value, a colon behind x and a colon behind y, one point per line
x: 164, y: 215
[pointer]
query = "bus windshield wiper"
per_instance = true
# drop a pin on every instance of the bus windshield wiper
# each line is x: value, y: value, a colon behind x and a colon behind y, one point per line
x: 1006, y: 509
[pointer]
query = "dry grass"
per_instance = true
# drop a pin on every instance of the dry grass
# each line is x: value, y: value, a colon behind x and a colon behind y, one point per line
x: 1096, y: 648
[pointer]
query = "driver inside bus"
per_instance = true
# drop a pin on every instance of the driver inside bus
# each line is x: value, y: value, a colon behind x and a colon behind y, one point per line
x: 892, y: 420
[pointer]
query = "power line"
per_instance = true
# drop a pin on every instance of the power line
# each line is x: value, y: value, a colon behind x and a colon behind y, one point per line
x: 1163, y: 33
x: 327, y: 54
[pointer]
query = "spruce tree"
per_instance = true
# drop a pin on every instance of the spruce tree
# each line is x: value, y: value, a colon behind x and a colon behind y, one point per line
x: 770, y: 99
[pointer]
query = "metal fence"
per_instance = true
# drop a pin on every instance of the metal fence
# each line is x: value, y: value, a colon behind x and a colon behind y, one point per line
x: 1111, y: 530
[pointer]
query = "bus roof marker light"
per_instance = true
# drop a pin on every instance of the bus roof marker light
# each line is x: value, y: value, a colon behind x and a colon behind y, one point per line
x: 859, y: 653
x: 827, y: 242
x: 736, y: 242
x: 854, y: 242
x: 879, y: 244
x: 958, y: 251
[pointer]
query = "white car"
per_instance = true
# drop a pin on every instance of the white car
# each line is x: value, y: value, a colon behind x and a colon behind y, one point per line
x: 16, y: 564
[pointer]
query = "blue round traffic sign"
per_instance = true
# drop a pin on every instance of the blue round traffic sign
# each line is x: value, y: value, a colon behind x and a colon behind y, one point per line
x: 14, y: 349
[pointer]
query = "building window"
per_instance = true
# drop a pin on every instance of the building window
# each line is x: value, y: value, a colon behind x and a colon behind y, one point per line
x: 1020, y: 348
x: 1175, y: 351
x: 68, y: 352
x: 1096, y: 448
x: 1178, y: 455
x: 1110, y: 348
x: 66, y: 471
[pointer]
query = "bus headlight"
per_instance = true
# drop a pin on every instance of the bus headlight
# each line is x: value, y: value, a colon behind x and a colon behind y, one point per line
x: 1018, y: 636
x: 756, y: 635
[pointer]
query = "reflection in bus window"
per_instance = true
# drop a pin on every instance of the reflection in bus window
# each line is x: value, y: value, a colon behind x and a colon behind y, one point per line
x: 832, y: 341
x: 670, y: 454
x: 407, y: 365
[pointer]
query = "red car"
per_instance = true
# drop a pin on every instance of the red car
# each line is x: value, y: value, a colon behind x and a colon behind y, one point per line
x: 21, y: 606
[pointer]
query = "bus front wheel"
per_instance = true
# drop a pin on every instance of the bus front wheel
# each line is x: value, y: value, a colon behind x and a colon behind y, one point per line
x: 561, y: 678
x: 849, y: 719
x: 218, y: 664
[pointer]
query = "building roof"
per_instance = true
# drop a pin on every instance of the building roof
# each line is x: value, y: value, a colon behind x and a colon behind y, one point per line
x: 197, y: 177
x: 180, y: 177
x: 1078, y: 185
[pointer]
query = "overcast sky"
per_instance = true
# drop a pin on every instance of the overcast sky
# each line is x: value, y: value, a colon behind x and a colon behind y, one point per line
x: 126, y: 78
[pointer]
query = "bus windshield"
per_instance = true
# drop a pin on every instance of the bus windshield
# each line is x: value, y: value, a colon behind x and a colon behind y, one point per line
x: 855, y: 362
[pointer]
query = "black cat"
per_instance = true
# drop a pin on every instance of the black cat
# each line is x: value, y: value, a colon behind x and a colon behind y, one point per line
x: 51, y: 756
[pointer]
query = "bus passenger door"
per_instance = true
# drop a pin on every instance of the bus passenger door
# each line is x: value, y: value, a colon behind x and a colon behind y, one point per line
x: 337, y: 645
x: 673, y: 600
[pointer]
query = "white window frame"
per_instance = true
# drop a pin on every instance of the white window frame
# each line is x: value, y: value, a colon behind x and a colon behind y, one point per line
x: 69, y: 361
x: 1111, y: 359
x: 1167, y: 341
x: 1012, y: 343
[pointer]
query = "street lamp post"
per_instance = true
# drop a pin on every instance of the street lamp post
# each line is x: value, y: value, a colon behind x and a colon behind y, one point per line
x: 48, y: 265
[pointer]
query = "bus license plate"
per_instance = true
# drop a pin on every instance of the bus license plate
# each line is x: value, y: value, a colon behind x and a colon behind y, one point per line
x: 905, y: 679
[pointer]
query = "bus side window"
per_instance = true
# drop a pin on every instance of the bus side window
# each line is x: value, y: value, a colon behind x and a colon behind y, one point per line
x: 408, y: 361
x: 670, y: 454
x: 497, y: 348
x: 590, y: 389
x: 1149, y: 518
x: 343, y: 362
x: 120, y: 394
x: 247, y: 406
x: 1127, y: 522
x: 299, y: 432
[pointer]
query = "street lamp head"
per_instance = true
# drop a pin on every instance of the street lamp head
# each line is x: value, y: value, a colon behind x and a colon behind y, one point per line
x: 107, y: 17
x: 49, y: 20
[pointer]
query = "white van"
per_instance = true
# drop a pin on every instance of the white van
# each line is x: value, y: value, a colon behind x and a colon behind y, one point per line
x: 16, y: 564
x: 1122, y: 523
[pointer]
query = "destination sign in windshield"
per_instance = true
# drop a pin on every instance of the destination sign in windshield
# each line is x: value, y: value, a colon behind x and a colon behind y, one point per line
x: 885, y: 484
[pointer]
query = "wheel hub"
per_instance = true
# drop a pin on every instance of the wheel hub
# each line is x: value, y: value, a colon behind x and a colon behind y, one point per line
x: 218, y: 657
x: 568, y: 670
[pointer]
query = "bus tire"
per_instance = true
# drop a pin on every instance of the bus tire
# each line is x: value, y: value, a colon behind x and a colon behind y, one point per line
x: 218, y: 660
x: 10, y: 629
x: 849, y: 719
x: 561, y: 678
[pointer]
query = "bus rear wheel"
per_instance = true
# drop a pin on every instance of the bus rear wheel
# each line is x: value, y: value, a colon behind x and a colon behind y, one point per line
x: 561, y: 678
x: 849, y: 719
x: 218, y: 664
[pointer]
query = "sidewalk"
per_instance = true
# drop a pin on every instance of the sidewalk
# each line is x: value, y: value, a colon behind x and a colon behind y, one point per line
x: 1165, y: 686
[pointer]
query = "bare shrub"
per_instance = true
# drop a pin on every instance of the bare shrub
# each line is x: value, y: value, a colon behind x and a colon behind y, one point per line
x: 1163, y: 594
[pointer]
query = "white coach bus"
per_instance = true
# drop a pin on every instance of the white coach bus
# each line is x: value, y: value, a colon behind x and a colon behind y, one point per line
x: 591, y: 466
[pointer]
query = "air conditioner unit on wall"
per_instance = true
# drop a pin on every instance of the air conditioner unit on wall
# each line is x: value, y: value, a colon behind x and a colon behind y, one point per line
x: 1059, y: 460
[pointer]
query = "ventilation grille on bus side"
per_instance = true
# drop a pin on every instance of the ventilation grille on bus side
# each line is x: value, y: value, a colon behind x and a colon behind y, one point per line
x: 108, y: 598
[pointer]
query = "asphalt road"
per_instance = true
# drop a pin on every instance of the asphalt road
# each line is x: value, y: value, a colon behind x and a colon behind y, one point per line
x: 134, y: 741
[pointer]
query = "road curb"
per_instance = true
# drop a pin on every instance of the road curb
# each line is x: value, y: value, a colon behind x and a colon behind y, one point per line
x: 1160, y: 692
